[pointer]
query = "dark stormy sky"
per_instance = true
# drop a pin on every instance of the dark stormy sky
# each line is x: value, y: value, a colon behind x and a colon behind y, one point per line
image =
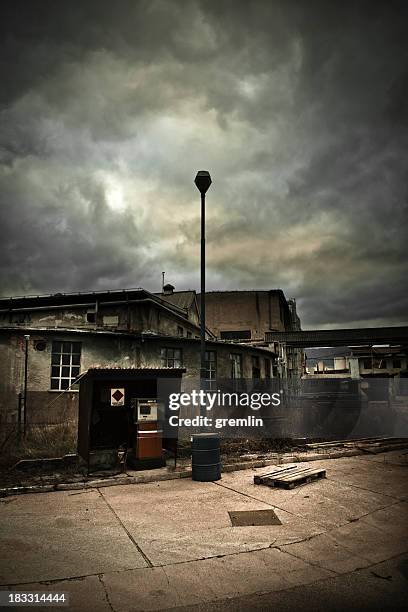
x: 298, y: 109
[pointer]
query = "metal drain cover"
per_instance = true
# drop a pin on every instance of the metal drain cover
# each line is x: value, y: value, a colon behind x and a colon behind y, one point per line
x: 253, y: 518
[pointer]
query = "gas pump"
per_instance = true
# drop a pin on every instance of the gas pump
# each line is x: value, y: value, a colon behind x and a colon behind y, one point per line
x: 148, y: 431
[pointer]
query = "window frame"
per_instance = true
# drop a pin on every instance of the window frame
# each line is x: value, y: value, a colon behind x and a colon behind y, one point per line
x: 211, y: 370
x: 65, y: 364
x: 166, y: 358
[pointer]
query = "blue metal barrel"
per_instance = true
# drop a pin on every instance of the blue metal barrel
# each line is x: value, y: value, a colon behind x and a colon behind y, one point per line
x: 206, y: 457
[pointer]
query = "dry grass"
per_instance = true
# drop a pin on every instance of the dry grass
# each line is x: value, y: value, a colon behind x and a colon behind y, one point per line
x: 50, y: 441
x: 40, y: 441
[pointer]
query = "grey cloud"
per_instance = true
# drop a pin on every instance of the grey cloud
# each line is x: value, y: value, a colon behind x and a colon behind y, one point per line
x: 297, y: 109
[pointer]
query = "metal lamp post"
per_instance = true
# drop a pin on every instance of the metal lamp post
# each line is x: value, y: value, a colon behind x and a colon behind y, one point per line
x: 26, y: 338
x: 202, y: 181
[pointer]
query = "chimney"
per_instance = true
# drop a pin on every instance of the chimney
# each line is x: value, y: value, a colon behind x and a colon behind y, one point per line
x: 168, y: 289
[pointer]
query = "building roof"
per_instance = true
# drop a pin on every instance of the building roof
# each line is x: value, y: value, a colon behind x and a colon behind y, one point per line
x: 245, y: 291
x: 181, y: 299
x: 47, y: 299
x: 88, y: 299
x: 341, y: 337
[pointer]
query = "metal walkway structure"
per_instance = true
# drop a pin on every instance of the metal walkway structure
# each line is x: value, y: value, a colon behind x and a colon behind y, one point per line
x: 341, y: 337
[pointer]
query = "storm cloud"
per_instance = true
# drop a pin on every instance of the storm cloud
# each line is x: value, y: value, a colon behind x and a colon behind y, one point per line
x: 298, y: 109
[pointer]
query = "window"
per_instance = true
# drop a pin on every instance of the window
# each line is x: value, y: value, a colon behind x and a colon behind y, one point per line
x: 189, y: 334
x: 267, y: 368
x: 236, y: 365
x: 396, y: 363
x: 91, y: 316
x: 180, y: 331
x: 244, y: 334
x: 171, y: 357
x: 379, y: 364
x: 211, y: 369
x: 256, y: 368
x: 65, y: 364
x: 367, y: 364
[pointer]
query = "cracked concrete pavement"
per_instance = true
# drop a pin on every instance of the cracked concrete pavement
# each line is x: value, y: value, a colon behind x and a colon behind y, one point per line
x: 170, y: 544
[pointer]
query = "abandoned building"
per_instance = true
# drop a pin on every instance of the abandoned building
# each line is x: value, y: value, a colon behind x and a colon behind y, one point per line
x: 247, y: 316
x: 65, y: 335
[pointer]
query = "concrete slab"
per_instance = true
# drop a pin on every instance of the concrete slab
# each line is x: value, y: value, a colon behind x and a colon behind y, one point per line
x: 326, y: 503
x: 393, y: 521
x: 61, y: 535
x: 185, y: 520
x: 208, y: 580
x: 368, y: 541
x: 323, y: 552
x: 382, y: 587
x: 375, y: 476
x: 194, y: 557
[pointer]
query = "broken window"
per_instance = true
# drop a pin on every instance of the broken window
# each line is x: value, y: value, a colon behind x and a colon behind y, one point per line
x: 65, y: 364
x: 171, y: 357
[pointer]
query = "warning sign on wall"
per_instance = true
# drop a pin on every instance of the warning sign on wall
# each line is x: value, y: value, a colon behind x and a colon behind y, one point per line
x: 117, y: 397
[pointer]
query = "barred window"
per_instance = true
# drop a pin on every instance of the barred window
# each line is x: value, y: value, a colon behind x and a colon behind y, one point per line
x: 171, y: 357
x: 65, y: 364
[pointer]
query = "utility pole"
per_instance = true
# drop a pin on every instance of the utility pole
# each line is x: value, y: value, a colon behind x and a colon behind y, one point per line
x: 202, y: 181
x: 27, y: 338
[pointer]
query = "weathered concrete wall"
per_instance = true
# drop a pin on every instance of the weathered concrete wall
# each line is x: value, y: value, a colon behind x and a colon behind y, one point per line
x: 134, y: 317
x: 150, y: 357
x: 46, y: 406
x: 258, y: 311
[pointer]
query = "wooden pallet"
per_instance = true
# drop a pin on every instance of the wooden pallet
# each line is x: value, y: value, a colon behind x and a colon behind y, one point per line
x: 289, y: 476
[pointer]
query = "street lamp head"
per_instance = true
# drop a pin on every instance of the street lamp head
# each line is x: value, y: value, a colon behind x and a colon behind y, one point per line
x: 203, y: 181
